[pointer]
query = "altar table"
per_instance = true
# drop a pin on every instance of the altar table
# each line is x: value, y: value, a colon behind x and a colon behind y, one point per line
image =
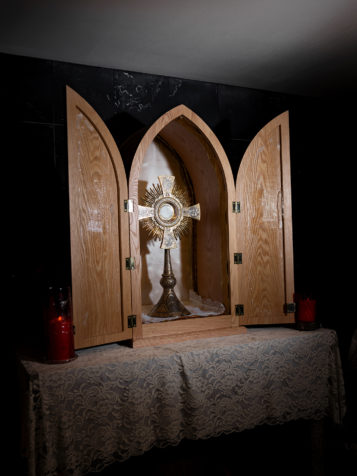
x: 114, y: 402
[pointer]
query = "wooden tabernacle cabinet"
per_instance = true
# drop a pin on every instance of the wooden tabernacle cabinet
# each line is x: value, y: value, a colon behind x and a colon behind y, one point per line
x: 240, y: 251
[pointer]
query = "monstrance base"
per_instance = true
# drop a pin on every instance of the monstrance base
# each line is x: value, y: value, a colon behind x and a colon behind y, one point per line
x: 169, y: 306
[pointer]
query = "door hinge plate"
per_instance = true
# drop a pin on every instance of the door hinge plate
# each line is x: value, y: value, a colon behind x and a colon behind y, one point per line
x: 130, y: 263
x: 289, y: 308
x: 236, y: 207
x: 131, y: 321
x: 238, y: 258
x: 128, y: 206
x: 239, y: 309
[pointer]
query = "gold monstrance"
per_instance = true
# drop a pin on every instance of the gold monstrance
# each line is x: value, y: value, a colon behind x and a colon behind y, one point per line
x: 167, y: 216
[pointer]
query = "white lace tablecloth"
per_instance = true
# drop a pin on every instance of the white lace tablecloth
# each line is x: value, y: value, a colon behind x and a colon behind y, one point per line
x: 114, y: 402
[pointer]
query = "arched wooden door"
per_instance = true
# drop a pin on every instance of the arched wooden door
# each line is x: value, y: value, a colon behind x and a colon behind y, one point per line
x: 99, y: 229
x: 264, y: 228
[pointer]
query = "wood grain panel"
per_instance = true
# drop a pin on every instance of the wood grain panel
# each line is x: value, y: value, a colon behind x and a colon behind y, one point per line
x: 201, y: 333
x: 184, y: 326
x: 99, y: 231
x: 264, y: 237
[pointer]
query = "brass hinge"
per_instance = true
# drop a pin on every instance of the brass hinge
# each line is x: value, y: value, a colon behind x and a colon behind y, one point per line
x: 236, y: 207
x: 131, y: 321
x: 239, y: 308
x: 238, y: 258
x: 128, y: 206
x: 130, y: 263
x: 289, y: 308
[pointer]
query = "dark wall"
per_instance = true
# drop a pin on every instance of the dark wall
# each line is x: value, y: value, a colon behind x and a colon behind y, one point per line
x: 35, y: 156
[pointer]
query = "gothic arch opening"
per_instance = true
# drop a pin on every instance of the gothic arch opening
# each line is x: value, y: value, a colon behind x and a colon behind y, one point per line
x: 181, y: 144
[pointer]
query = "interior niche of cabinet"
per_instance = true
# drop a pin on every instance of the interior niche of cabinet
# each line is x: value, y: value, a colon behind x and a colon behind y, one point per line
x: 201, y: 260
x: 161, y: 159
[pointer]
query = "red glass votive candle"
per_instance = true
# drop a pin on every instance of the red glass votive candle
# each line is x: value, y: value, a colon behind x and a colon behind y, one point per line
x: 306, y: 310
x: 60, y: 344
x: 59, y: 326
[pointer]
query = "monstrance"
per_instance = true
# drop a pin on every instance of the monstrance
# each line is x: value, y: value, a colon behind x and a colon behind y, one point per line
x: 167, y: 217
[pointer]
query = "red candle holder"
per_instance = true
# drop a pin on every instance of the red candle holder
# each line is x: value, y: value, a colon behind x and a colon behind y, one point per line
x: 306, y: 310
x: 305, y: 313
x: 59, y: 328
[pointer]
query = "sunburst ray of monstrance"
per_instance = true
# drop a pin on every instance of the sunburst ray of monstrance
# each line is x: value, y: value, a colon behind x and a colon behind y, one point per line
x: 167, y: 217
